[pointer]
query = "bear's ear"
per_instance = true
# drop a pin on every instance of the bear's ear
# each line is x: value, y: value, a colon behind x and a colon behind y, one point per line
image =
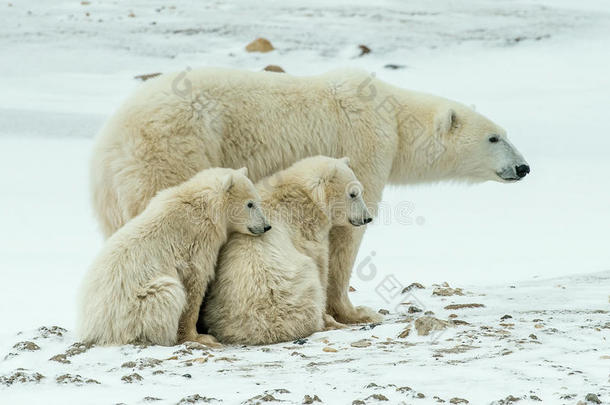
x: 445, y: 122
x: 227, y: 182
x: 345, y: 160
x: 329, y: 173
x: 244, y: 171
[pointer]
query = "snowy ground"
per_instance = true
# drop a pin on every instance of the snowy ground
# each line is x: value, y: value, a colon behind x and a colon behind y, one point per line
x: 539, y: 68
x: 521, y: 342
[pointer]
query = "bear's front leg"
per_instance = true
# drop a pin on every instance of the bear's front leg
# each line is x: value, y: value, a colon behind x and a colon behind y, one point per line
x: 187, y: 327
x: 344, y: 243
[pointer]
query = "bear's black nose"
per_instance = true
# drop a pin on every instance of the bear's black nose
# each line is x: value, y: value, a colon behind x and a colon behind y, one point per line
x: 522, y: 170
x: 266, y: 228
x: 368, y: 220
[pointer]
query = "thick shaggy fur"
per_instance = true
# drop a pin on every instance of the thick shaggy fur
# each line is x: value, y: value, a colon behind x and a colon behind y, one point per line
x: 178, y: 124
x: 273, y: 288
x: 147, y: 283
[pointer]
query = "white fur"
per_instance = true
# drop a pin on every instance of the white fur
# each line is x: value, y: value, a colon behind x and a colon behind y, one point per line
x: 147, y: 283
x: 273, y: 288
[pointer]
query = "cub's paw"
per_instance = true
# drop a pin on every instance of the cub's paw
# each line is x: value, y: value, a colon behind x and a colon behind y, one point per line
x: 364, y: 314
x: 207, y: 340
x: 331, y: 324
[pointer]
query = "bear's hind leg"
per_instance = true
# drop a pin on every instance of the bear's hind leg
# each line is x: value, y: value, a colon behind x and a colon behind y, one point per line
x: 158, y: 309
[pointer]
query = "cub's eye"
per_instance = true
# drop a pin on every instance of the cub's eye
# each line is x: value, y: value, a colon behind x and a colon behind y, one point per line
x: 353, y: 195
x: 493, y: 139
x: 250, y: 204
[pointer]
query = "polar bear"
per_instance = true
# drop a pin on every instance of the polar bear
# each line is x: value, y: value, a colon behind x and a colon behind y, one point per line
x: 272, y: 288
x: 177, y: 124
x: 147, y: 283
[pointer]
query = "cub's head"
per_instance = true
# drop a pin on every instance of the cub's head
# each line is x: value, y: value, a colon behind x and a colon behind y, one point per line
x: 481, y: 149
x: 337, y: 191
x: 243, y: 203
x: 223, y: 196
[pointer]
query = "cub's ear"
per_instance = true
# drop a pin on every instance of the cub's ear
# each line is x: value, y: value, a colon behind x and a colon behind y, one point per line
x: 445, y: 122
x: 227, y: 182
x: 244, y: 171
x: 345, y: 160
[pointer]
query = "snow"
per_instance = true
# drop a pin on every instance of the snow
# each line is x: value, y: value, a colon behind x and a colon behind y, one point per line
x: 537, y: 67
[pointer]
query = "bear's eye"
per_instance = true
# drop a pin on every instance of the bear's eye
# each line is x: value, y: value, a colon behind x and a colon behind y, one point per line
x: 353, y: 194
x: 250, y: 204
x: 493, y: 139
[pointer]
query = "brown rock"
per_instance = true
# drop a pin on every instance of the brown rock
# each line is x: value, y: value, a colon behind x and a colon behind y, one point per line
x: 394, y: 66
x: 60, y: 358
x: 378, y: 397
x: 426, y: 324
x: 412, y: 286
x: 364, y: 50
x: 146, y: 76
x: 196, y: 399
x: 78, y: 348
x: 75, y: 379
x: 462, y: 306
x: 593, y: 398
x: 459, y: 322
x: 26, y: 346
x: 361, y: 343
x: 405, y: 333
x: 458, y: 401
x: 260, y: 45
x: 46, y: 332
x: 310, y: 400
x: 447, y: 291
x: 21, y: 377
x: 274, y: 68
x: 131, y: 378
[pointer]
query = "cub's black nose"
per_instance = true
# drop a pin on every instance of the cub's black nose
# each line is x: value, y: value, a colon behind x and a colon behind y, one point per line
x: 367, y: 220
x: 266, y: 228
x: 522, y: 170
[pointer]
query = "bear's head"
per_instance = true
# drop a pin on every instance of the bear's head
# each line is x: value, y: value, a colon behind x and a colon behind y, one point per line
x: 336, y: 190
x: 226, y: 197
x: 440, y: 139
x: 477, y: 149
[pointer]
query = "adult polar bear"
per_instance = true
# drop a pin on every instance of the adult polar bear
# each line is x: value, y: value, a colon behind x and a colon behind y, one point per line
x: 178, y: 124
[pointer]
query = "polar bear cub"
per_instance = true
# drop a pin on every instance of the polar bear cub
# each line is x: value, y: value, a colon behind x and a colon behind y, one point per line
x: 273, y: 288
x: 147, y: 283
